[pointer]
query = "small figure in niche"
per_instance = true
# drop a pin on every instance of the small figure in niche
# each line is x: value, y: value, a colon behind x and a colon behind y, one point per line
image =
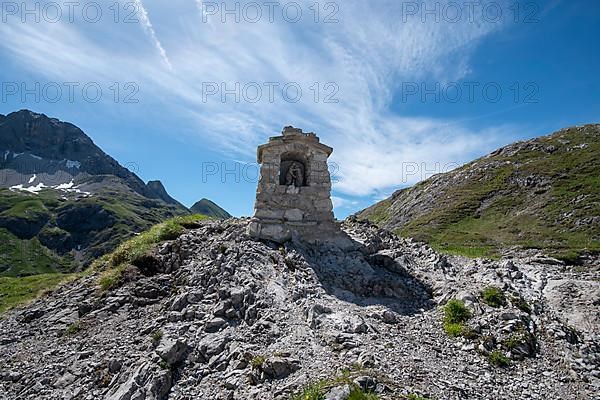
x: 295, y: 175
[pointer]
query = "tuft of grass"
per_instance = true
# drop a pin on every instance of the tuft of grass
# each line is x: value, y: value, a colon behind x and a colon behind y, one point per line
x: 455, y: 312
x: 513, y: 342
x: 358, y: 394
x: 520, y: 303
x: 414, y: 396
x: 455, y: 316
x: 493, y: 296
x: 311, y: 392
x: 156, y: 336
x: 498, y: 359
x: 18, y: 291
x: 454, y: 329
x: 73, y: 328
x: 111, y: 278
x: 257, y: 362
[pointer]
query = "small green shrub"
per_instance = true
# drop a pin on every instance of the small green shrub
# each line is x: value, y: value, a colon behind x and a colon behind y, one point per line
x: 498, y: 359
x: 455, y: 312
x: 521, y: 304
x: 454, y: 329
x: 358, y: 394
x: 312, y: 392
x: 414, y: 396
x: 493, y: 296
x: 73, y: 328
x: 156, y: 336
x: 257, y: 362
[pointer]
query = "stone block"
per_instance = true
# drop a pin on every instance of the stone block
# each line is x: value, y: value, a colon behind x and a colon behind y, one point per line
x: 269, y: 214
x: 293, y: 215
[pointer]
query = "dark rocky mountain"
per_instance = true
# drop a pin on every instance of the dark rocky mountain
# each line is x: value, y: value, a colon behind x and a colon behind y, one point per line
x: 207, y: 207
x: 65, y: 202
x: 537, y: 194
x: 155, y: 189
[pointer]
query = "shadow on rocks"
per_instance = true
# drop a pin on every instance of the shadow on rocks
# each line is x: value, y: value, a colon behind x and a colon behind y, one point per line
x: 365, y: 274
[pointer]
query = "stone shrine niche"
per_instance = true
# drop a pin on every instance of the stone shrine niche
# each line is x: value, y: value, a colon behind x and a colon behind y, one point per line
x: 293, y: 170
x: 293, y: 197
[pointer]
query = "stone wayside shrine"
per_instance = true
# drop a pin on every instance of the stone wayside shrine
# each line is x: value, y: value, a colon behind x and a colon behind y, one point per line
x: 293, y: 198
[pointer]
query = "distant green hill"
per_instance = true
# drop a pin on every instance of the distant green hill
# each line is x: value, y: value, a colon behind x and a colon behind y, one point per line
x: 542, y: 193
x: 56, y: 232
x: 207, y: 207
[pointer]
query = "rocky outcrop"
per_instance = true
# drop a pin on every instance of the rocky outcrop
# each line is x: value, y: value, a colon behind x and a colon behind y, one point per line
x: 222, y: 316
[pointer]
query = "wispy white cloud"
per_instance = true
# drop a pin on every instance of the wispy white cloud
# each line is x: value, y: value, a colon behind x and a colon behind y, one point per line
x: 366, y: 55
x: 149, y: 29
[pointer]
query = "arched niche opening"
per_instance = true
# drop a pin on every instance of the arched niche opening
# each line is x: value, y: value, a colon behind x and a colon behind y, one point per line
x: 294, y: 170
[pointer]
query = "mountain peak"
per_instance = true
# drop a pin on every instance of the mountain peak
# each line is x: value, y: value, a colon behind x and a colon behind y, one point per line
x: 208, y: 207
x: 156, y: 190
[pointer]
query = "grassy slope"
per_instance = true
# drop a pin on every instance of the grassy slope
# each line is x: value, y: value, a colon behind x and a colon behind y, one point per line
x: 21, y: 255
x: 15, y: 291
x: 490, y: 208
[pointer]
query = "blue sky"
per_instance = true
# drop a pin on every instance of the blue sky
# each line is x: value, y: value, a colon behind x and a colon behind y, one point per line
x: 400, y: 90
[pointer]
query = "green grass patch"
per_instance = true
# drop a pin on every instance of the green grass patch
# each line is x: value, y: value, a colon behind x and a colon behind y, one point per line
x: 455, y: 316
x: 73, y: 328
x: 498, y: 359
x: 520, y: 303
x: 115, y: 263
x: 493, y: 296
x: 18, y: 291
x: 21, y: 257
x: 454, y: 329
x: 111, y: 278
x: 455, y: 312
x: 139, y: 245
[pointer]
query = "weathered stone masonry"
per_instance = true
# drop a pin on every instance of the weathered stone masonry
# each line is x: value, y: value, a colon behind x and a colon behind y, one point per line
x: 293, y: 198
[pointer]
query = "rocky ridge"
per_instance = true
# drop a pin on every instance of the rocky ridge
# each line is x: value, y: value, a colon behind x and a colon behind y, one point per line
x: 215, y: 314
x: 540, y: 193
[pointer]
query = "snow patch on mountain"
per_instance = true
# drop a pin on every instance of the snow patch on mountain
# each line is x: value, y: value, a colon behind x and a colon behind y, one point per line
x: 65, y: 187
x: 31, y: 189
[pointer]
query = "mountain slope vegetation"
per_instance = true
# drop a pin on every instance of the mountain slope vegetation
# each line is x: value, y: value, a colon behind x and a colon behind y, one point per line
x: 63, y: 201
x: 542, y: 193
x: 207, y: 207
